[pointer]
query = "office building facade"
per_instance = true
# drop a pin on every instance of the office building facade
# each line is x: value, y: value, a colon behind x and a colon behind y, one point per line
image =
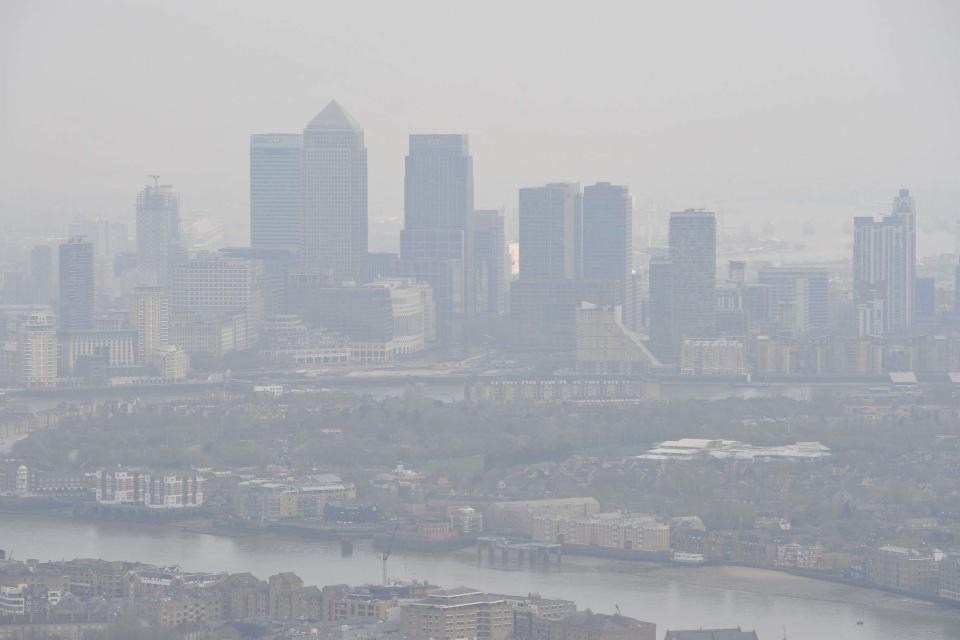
x: 662, y: 331
x: 491, y: 264
x: 158, y: 232
x: 278, y: 265
x: 77, y: 311
x: 212, y: 285
x: 276, y: 207
x: 437, y: 241
x: 607, y: 238
x: 693, y: 256
x: 334, y: 185
x: 884, y: 263
x: 799, y: 297
x: 925, y: 299
x: 37, y: 362
x: 119, y: 348
x: 381, y: 320
x: 548, y: 225
x: 543, y: 316
x: 683, y: 288
x: 607, y: 232
x: 150, y: 316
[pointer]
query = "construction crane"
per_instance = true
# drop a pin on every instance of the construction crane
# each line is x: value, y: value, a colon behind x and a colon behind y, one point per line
x: 385, y: 554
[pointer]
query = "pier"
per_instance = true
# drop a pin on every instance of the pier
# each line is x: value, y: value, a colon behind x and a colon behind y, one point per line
x: 520, y: 554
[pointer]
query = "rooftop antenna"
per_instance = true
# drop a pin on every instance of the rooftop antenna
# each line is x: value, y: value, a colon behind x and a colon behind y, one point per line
x: 156, y: 179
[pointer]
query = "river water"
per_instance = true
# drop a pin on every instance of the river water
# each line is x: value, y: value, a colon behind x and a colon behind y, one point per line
x: 668, y: 604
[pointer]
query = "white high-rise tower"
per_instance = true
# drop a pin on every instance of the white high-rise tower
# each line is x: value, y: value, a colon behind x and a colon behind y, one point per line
x: 334, y: 188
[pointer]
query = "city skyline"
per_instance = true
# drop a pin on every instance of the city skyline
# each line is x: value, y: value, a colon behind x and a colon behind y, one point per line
x: 670, y: 146
x: 420, y: 307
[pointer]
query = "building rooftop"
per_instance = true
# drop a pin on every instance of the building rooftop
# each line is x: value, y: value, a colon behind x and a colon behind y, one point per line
x: 590, y: 621
x: 694, y: 448
x: 548, y: 502
x: 903, y: 377
x: 712, y: 634
x: 333, y: 117
x: 453, y: 598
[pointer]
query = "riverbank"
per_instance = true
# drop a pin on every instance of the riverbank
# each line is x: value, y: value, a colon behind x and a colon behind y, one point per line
x: 766, y: 582
x: 779, y: 583
x: 754, y: 581
x: 670, y: 597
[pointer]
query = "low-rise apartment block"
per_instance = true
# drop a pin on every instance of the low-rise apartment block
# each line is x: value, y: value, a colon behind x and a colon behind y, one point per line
x: 458, y: 614
x: 613, y: 530
x: 903, y: 569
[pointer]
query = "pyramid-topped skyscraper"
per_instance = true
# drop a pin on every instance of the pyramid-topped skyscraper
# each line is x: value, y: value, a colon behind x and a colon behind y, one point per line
x: 334, y: 161
x: 333, y: 117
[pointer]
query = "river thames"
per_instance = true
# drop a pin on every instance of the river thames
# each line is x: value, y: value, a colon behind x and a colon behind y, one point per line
x: 824, y: 611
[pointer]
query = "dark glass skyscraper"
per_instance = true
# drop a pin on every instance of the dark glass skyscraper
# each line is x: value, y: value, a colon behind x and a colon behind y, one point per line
x: 549, y: 217
x: 438, y: 182
x: 436, y: 245
x: 276, y: 209
x: 683, y: 289
x: 663, y: 335
x: 334, y: 187
x: 607, y: 232
x: 693, y: 255
x: 607, y: 245
x: 491, y: 263
x: 76, y: 285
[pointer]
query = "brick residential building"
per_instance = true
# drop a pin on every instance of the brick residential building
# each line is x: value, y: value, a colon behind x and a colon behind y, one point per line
x: 458, y: 614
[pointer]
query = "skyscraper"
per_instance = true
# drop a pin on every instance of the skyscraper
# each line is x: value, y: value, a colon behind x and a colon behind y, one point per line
x: 158, y: 232
x: 437, y: 241
x: 276, y: 207
x: 491, y: 264
x: 664, y: 342
x: 76, y: 285
x: 683, y: 290
x: 438, y: 182
x: 334, y: 185
x: 102, y: 233
x: 607, y: 232
x: 884, y: 263
x: 548, y: 234
x: 37, y: 362
x: 607, y: 249
x: 799, y: 297
x: 150, y: 316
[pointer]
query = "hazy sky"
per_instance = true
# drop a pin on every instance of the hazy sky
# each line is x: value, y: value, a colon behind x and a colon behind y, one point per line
x: 758, y: 109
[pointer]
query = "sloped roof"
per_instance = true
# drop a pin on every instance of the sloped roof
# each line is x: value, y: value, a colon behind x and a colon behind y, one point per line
x: 333, y: 117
